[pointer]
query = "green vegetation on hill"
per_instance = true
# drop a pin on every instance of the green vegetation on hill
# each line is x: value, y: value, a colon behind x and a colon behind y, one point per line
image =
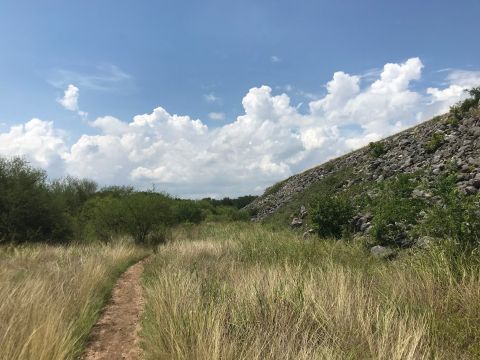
x: 387, y: 196
x: 461, y: 109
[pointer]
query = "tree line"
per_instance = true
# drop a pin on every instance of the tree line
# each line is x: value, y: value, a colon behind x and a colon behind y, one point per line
x: 35, y: 209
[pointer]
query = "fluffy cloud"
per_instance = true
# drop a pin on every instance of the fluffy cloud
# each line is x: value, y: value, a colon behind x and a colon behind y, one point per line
x: 270, y: 141
x: 458, y: 81
x: 70, y: 98
x: 37, y: 141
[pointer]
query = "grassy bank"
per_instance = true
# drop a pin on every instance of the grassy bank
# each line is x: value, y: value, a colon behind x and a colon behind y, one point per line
x: 242, y: 291
x: 50, y: 296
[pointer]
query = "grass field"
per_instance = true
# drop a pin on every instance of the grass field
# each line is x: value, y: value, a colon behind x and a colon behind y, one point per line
x: 243, y: 291
x: 51, y: 296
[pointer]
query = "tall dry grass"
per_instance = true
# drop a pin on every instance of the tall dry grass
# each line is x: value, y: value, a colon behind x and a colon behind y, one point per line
x: 246, y: 292
x: 50, y: 296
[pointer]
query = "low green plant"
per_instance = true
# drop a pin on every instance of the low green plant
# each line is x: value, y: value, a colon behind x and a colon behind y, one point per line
x: 456, y: 216
x: 377, y: 149
x: 435, y: 142
x: 453, y: 121
x: 227, y: 213
x: 331, y: 215
x: 394, y: 210
x: 189, y: 211
x: 329, y: 166
x: 460, y: 109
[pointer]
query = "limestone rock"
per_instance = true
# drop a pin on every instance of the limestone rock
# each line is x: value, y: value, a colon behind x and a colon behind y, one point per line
x: 296, y: 222
x: 381, y: 252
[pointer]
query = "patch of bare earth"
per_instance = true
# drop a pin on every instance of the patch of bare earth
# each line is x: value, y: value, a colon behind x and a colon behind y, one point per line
x: 115, y: 335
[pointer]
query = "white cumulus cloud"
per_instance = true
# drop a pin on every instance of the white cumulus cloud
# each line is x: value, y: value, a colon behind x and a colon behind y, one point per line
x: 38, y: 142
x: 271, y: 140
x: 70, y: 98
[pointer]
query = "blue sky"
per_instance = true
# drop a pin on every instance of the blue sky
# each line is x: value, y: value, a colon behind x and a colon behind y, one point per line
x: 201, y: 58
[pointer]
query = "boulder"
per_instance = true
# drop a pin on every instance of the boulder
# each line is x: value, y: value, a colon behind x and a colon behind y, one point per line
x: 423, y: 242
x: 362, y: 222
x: 303, y: 212
x: 381, y: 252
x: 308, y: 233
x: 476, y: 181
x: 296, y: 222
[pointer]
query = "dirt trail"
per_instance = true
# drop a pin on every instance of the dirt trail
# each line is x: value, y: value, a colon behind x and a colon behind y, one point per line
x: 115, y: 335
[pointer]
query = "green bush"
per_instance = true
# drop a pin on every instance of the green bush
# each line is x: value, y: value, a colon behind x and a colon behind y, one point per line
x: 157, y: 236
x: 145, y: 213
x: 228, y: 213
x: 101, y: 218
x: 453, y: 121
x: 455, y: 216
x: 394, y: 210
x: 140, y: 215
x: 460, y: 109
x: 73, y: 192
x: 377, y: 149
x: 188, y: 211
x: 331, y: 215
x: 28, y: 209
x: 435, y: 142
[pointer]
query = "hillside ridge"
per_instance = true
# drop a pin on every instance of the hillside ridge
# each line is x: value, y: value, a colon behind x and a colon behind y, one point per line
x: 432, y: 147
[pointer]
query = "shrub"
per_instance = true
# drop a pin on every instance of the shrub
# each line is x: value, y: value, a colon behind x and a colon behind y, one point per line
x: 394, y: 211
x: 102, y: 218
x: 188, y: 211
x: 329, y: 166
x: 331, y: 215
x: 73, y: 192
x: 28, y: 210
x: 140, y: 215
x: 455, y: 216
x: 228, y: 213
x: 453, y: 121
x: 435, y: 142
x: 377, y: 149
x: 460, y: 109
x: 146, y: 212
x: 157, y: 236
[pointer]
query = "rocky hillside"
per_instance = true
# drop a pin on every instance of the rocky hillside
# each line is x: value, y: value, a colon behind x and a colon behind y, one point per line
x: 446, y: 141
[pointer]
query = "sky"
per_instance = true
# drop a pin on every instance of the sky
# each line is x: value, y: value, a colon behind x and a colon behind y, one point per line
x: 218, y: 97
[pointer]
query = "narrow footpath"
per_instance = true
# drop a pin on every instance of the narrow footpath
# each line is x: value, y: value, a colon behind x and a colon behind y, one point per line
x: 115, y: 335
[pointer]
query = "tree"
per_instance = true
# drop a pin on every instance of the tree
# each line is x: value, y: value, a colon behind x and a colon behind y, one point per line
x: 28, y: 210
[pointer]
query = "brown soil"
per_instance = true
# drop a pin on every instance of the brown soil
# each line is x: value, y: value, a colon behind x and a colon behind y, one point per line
x: 115, y: 335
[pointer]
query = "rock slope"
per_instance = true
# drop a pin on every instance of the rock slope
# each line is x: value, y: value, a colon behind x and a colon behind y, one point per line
x: 432, y: 146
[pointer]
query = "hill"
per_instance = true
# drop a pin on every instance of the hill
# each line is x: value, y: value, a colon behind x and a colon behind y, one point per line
x: 445, y: 146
